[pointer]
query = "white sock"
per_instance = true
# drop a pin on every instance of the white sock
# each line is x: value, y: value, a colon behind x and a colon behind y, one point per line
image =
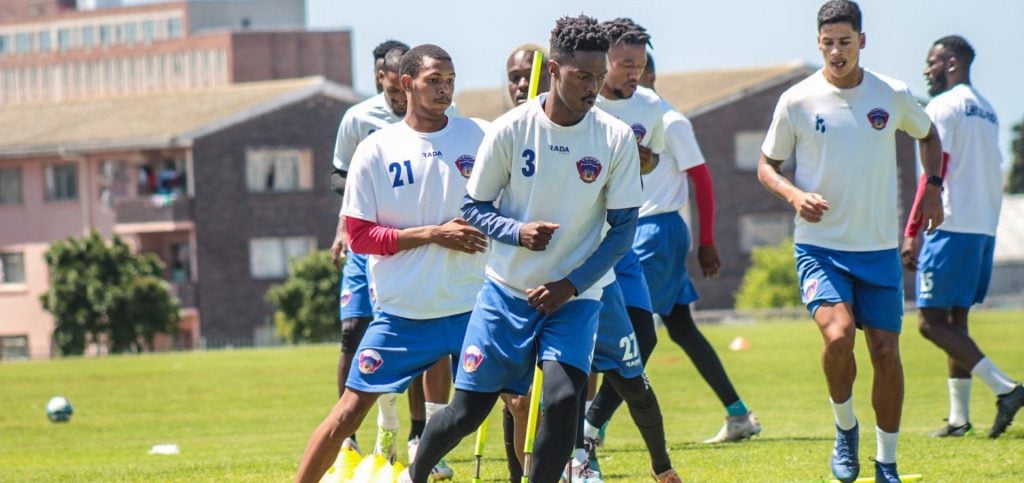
x: 579, y: 456
x: 998, y: 382
x: 387, y: 413
x: 433, y: 408
x: 590, y: 431
x: 886, y: 446
x: 959, y: 401
x: 844, y: 414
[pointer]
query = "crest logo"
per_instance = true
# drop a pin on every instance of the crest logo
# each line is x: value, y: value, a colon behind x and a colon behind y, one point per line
x: 472, y: 359
x: 810, y: 289
x: 346, y: 297
x: 589, y: 169
x: 878, y: 118
x: 369, y: 361
x: 639, y: 131
x: 465, y: 165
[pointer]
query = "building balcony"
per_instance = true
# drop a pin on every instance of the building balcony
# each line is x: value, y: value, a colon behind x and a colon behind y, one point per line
x: 186, y: 294
x: 160, y: 210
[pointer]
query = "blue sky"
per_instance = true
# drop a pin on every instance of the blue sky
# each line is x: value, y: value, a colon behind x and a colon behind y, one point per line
x: 693, y: 35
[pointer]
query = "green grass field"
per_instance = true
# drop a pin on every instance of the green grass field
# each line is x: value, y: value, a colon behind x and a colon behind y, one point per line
x: 245, y: 415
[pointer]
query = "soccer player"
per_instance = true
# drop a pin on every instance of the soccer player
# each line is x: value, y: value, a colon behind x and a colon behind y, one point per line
x: 562, y: 170
x: 405, y: 189
x: 955, y: 263
x: 841, y: 122
x: 518, y: 67
x: 379, y: 52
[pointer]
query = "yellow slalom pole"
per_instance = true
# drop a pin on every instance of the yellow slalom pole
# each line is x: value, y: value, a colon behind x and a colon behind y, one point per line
x: 538, y: 375
x: 478, y: 449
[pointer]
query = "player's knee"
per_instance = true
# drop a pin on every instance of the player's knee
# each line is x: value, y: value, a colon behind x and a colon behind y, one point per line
x: 634, y: 390
x: 352, y: 330
x: 519, y: 406
x: 926, y: 328
x: 885, y: 352
x: 838, y: 343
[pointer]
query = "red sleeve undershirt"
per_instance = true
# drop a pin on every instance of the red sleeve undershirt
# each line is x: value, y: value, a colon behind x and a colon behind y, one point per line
x: 913, y: 223
x: 705, y: 196
x: 370, y: 238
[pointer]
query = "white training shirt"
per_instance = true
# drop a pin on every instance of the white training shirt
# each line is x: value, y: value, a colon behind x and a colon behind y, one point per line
x: 845, y: 143
x: 969, y: 130
x: 360, y: 121
x: 643, y: 113
x: 667, y: 187
x: 569, y: 175
x: 403, y: 178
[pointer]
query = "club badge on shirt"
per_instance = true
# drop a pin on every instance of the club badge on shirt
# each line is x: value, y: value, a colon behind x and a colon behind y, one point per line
x: 639, y: 131
x: 878, y: 118
x: 465, y: 165
x: 589, y: 169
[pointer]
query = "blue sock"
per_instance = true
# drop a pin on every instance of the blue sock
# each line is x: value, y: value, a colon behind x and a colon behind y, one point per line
x: 737, y: 408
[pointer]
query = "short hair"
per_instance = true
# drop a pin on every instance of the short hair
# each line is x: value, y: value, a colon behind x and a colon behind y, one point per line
x: 574, y: 34
x: 958, y: 46
x: 386, y: 46
x: 393, y: 60
x: 412, y: 61
x: 840, y: 11
x: 625, y: 31
x: 528, y: 47
x: 650, y: 63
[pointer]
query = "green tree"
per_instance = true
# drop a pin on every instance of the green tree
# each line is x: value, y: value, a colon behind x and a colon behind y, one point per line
x: 307, y: 303
x: 771, y: 281
x: 1016, y: 181
x: 100, y: 292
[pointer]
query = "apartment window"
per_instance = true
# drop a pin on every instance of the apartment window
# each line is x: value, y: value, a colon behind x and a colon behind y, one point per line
x: 10, y: 186
x: 12, y: 268
x: 14, y: 348
x: 88, y: 36
x: 174, y: 28
x: 106, y: 37
x: 23, y: 42
x: 759, y: 229
x: 131, y: 31
x: 62, y: 182
x: 268, y: 257
x: 44, y: 41
x: 147, y: 31
x: 3, y: 44
x: 63, y: 39
x: 268, y: 170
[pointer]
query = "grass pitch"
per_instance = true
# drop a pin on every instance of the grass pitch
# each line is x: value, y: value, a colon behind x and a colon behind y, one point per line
x: 245, y: 415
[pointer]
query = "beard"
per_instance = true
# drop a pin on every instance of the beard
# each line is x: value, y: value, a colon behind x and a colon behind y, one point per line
x: 938, y: 84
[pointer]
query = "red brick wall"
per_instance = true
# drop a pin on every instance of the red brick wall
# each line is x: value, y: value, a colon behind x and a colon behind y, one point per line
x: 294, y: 54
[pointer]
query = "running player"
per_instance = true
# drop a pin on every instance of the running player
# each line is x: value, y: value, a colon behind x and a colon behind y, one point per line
x: 841, y: 122
x: 955, y: 263
x: 562, y: 170
x: 405, y: 189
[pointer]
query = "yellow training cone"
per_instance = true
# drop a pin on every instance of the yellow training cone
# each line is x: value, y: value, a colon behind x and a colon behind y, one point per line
x: 343, y: 468
x: 388, y: 473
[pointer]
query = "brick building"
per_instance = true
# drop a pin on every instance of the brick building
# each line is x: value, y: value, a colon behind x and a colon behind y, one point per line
x: 50, y: 51
x: 730, y: 110
x: 221, y: 183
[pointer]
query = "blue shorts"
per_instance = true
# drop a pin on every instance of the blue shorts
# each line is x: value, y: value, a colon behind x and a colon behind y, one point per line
x: 616, y: 348
x: 506, y: 338
x: 871, y: 282
x: 954, y: 269
x: 662, y: 242
x: 396, y: 349
x: 630, y: 275
x: 355, y: 299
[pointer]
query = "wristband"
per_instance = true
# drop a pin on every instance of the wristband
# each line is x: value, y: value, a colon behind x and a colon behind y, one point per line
x: 935, y: 181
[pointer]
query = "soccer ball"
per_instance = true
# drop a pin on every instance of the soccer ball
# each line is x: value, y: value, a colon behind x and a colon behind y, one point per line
x: 59, y: 409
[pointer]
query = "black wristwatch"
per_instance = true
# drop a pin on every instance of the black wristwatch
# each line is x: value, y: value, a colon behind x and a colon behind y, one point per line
x: 935, y: 180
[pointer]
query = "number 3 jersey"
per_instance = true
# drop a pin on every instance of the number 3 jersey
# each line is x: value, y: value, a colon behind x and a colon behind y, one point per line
x: 402, y: 178
x: 569, y: 175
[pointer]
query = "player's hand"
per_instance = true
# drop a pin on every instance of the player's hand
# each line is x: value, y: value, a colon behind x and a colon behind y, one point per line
x: 340, y: 245
x: 536, y: 235
x: 810, y: 206
x: 551, y: 296
x: 648, y: 160
x: 929, y: 211
x: 909, y: 253
x: 458, y: 235
x: 710, y: 264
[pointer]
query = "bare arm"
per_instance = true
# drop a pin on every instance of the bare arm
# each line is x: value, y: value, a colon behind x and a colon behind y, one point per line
x: 810, y: 206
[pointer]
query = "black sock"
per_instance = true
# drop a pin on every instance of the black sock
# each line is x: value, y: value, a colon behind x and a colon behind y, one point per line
x: 416, y: 428
x: 508, y: 425
x: 563, y: 388
x: 463, y: 416
x: 646, y: 413
x: 683, y: 331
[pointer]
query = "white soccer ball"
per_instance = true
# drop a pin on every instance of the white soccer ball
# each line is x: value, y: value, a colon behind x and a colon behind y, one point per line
x: 59, y: 409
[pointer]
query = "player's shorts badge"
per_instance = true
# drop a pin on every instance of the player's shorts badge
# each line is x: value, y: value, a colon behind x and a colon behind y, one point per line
x: 472, y: 358
x: 589, y: 169
x: 810, y: 289
x: 878, y: 118
x: 369, y: 361
x: 346, y: 297
x: 639, y: 131
x: 465, y: 165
